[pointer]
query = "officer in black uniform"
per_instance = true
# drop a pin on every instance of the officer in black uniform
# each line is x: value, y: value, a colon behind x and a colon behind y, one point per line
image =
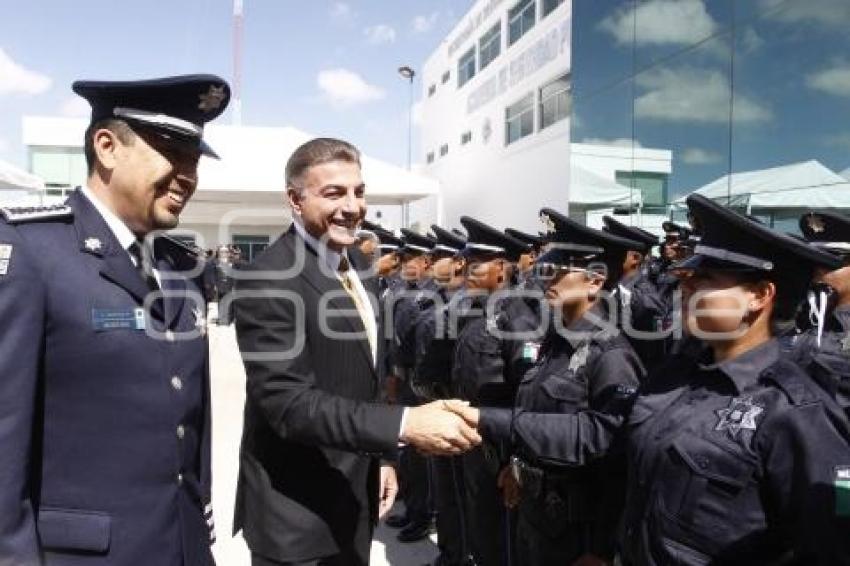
x: 564, y: 476
x: 737, y: 456
x: 823, y: 348
x: 414, y: 470
x: 642, y: 309
x: 435, y: 346
x: 525, y: 265
x: 480, y: 373
x: 104, y: 396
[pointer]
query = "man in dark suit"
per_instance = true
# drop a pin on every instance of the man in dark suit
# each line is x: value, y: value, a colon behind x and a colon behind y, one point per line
x: 104, y: 394
x: 311, y: 485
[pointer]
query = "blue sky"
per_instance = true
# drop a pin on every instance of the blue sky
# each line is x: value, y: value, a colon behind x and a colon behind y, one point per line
x: 327, y: 67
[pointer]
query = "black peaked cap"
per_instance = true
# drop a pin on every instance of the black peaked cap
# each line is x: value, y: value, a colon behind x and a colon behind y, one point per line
x: 484, y: 239
x: 826, y: 230
x: 448, y: 243
x: 646, y: 239
x: 416, y: 244
x: 172, y: 107
x: 533, y: 240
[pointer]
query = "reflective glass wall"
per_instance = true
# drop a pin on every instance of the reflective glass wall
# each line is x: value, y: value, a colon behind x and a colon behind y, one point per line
x: 756, y: 88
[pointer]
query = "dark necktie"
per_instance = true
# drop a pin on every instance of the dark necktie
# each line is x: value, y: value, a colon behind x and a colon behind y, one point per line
x: 135, y: 250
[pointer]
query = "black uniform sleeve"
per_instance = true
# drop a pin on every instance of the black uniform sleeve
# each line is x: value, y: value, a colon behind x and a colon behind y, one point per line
x: 22, y: 304
x: 805, y: 457
x: 575, y: 439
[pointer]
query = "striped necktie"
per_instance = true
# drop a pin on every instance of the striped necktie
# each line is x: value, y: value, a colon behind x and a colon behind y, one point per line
x: 364, y: 311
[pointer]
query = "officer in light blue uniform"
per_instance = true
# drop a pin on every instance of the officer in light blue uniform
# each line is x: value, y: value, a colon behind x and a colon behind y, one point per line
x: 104, y: 383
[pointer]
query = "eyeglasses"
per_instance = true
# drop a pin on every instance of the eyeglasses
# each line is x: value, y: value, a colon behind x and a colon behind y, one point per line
x: 550, y: 271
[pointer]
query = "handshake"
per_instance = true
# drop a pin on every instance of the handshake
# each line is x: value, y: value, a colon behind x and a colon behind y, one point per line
x: 442, y: 428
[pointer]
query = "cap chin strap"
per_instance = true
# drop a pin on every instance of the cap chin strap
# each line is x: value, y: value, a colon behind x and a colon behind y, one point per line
x: 735, y: 257
x: 817, y: 311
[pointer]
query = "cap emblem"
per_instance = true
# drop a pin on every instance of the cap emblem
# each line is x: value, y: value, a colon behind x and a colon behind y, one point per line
x: 212, y: 99
x: 548, y: 223
x: 816, y: 223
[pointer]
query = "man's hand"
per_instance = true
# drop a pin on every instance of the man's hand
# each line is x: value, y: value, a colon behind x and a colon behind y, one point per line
x: 433, y: 429
x: 464, y: 411
x: 388, y: 489
x: 509, y: 485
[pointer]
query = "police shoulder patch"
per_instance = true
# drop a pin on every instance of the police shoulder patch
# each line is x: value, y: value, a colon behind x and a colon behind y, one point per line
x: 21, y: 214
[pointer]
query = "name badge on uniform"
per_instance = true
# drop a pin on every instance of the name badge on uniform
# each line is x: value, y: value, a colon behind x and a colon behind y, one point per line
x: 5, y: 258
x: 118, y: 319
x: 530, y: 351
x: 842, y: 491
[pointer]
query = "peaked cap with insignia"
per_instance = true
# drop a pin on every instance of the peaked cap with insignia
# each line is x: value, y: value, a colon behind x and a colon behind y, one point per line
x: 448, y: 243
x: 672, y: 229
x: 174, y: 108
x: 827, y: 230
x: 486, y: 240
x: 646, y: 239
x: 574, y: 243
x: 733, y: 242
x: 387, y: 241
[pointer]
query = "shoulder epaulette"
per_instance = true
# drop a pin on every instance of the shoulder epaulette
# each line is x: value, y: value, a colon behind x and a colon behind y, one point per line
x: 20, y: 214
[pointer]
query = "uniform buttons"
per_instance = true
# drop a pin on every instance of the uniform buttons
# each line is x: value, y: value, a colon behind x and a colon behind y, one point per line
x: 179, y: 479
x: 169, y: 335
x: 181, y: 432
x: 177, y: 383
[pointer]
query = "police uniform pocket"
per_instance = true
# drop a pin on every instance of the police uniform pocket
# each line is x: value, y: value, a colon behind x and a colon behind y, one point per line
x: 704, y: 487
x: 74, y: 529
x: 565, y: 395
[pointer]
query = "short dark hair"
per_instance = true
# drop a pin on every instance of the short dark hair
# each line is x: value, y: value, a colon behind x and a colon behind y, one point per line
x: 119, y: 127
x: 316, y: 152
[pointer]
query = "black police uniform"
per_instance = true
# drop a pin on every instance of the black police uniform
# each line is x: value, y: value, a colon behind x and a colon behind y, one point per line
x: 414, y: 469
x: 745, y: 461
x: 480, y: 371
x: 642, y: 309
x: 104, y: 399
x: 568, y: 409
x: 435, y: 345
x: 823, y: 348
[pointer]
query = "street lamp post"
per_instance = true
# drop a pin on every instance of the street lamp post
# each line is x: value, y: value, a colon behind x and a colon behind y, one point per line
x: 407, y: 72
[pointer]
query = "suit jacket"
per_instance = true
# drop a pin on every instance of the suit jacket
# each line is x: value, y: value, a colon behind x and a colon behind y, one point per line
x: 104, y: 428
x: 308, y: 479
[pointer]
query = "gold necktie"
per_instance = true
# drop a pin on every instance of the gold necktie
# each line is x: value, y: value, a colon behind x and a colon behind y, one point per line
x: 364, y: 311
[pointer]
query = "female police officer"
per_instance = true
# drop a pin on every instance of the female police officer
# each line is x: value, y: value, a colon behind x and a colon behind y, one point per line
x: 737, y: 456
x: 569, y: 406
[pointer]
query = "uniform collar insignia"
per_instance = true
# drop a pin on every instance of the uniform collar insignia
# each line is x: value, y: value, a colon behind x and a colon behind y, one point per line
x: 200, y: 320
x: 579, y: 358
x: 212, y: 99
x: 816, y: 223
x: 740, y: 414
x: 93, y: 245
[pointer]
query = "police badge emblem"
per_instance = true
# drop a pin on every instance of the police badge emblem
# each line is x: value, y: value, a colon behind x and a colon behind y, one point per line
x: 548, y: 223
x: 739, y: 415
x: 93, y: 244
x: 212, y: 99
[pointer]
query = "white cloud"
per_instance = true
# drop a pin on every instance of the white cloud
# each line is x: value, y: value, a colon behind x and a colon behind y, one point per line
x: 342, y: 88
x: 693, y: 95
x: 698, y: 156
x: 660, y: 22
x: 380, y: 34
x: 835, y: 13
x: 618, y: 142
x: 340, y: 11
x: 75, y: 107
x: 834, y: 80
x: 425, y: 23
x: 4, y: 145
x: 16, y: 79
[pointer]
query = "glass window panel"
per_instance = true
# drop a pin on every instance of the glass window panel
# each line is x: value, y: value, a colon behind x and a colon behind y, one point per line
x: 466, y: 67
x: 521, y: 19
x: 490, y: 45
x: 550, y: 5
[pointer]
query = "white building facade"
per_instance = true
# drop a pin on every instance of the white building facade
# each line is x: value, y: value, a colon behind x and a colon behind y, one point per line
x: 495, y: 112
